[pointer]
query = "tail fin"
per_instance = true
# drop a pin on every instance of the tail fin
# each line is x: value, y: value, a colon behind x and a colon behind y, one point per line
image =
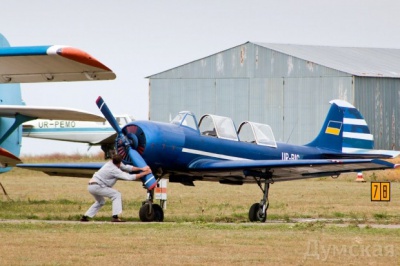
x: 345, y: 134
x: 10, y: 94
x: 344, y: 130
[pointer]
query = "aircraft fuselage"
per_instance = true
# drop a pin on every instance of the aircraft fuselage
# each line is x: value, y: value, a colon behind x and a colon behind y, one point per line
x: 169, y: 146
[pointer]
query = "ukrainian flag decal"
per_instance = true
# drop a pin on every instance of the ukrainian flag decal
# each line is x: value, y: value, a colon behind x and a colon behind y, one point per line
x: 333, y: 128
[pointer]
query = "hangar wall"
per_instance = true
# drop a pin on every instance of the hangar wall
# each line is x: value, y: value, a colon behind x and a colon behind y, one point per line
x: 378, y: 99
x: 292, y: 107
x: 252, y: 82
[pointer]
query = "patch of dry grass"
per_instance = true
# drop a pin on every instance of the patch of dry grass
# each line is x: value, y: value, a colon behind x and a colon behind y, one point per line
x: 200, y: 235
x: 195, y: 244
x: 38, y: 196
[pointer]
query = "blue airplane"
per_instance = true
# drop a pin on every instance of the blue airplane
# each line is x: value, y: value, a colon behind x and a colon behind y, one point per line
x: 186, y: 150
x: 49, y: 63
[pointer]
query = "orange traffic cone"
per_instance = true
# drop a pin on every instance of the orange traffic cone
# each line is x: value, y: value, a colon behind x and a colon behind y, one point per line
x: 360, y: 177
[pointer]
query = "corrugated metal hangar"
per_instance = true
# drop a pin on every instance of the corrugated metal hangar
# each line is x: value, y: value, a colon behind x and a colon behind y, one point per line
x: 286, y: 86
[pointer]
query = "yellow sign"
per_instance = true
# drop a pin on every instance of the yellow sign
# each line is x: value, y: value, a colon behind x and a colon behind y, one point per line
x: 380, y: 191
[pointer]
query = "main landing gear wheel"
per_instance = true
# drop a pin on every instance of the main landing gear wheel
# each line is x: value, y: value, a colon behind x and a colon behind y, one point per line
x: 150, y: 212
x: 258, y: 211
x: 257, y: 214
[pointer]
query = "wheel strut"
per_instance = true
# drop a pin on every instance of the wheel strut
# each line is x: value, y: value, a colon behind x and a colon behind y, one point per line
x: 258, y: 211
x: 150, y: 212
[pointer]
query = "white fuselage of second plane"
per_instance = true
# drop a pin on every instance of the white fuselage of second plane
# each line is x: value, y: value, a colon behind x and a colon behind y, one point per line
x: 74, y: 131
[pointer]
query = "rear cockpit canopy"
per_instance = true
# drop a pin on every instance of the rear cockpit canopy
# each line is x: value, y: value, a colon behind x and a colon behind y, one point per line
x: 260, y: 134
x: 224, y: 128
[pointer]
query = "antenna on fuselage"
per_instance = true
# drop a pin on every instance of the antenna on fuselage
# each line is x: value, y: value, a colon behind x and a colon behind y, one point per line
x: 292, y: 131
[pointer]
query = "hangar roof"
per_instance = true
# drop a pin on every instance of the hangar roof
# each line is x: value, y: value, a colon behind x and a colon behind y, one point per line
x: 369, y: 62
x: 357, y: 61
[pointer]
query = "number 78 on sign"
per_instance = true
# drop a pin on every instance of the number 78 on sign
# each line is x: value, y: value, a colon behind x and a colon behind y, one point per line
x: 380, y: 191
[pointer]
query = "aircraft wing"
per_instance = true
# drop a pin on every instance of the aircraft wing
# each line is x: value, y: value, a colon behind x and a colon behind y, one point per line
x: 287, y: 170
x: 49, y: 113
x: 50, y: 64
x: 219, y: 170
x: 65, y: 169
x: 108, y: 140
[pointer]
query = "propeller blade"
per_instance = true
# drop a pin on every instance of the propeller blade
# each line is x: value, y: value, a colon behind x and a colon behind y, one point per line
x: 149, y: 180
x: 107, y: 114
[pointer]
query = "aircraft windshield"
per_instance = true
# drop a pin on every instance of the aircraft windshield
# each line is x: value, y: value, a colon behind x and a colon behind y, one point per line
x: 257, y: 133
x: 218, y: 126
x: 186, y: 119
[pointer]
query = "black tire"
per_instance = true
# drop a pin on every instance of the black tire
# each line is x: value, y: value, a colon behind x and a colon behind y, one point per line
x: 158, y: 213
x: 254, y: 214
x: 145, y: 214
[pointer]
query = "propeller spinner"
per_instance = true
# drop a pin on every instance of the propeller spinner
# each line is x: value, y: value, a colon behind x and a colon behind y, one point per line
x: 149, y: 180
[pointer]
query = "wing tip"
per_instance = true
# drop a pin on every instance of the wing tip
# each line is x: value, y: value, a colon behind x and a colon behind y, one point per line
x: 77, y: 55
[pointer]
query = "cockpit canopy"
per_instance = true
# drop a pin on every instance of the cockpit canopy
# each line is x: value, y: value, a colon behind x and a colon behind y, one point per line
x: 185, y: 118
x: 218, y: 126
x: 224, y: 128
x: 257, y: 133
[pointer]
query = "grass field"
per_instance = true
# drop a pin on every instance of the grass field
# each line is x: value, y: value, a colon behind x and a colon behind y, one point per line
x: 204, y: 225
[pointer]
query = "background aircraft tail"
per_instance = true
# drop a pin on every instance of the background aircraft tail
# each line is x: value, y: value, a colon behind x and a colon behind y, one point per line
x: 346, y: 132
x: 10, y: 94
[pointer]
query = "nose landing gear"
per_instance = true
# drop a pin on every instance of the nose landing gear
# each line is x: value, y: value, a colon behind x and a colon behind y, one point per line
x: 151, y: 212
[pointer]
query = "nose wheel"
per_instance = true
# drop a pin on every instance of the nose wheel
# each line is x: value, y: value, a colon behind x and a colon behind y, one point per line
x: 151, y: 212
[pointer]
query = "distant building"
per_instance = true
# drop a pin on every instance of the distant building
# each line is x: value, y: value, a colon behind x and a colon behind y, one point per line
x: 286, y: 86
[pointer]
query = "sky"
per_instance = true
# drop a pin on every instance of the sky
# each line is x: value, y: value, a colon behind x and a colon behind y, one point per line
x: 137, y: 39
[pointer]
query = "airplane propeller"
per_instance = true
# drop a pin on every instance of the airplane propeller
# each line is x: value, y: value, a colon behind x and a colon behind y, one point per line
x: 149, y: 180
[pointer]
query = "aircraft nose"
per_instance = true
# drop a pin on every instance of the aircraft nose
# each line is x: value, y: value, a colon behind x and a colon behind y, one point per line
x: 136, y: 137
x: 133, y: 140
x: 125, y: 149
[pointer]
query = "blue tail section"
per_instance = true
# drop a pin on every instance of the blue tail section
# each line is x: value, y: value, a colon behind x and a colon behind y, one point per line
x: 10, y: 94
x: 345, y: 130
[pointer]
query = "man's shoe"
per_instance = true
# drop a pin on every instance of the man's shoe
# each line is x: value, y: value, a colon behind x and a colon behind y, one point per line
x: 84, y: 219
x: 117, y: 220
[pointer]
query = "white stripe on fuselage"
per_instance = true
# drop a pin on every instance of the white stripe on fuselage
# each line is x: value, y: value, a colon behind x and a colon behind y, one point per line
x: 211, y: 154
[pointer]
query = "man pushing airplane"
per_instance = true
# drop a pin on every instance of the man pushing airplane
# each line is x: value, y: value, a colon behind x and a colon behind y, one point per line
x: 100, y: 186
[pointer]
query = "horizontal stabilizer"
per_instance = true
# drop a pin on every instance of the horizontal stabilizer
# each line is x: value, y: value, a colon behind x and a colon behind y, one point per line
x: 8, y: 159
x: 43, y: 112
x: 364, y: 153
x: 50, y: 64
x: 383, y: 153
